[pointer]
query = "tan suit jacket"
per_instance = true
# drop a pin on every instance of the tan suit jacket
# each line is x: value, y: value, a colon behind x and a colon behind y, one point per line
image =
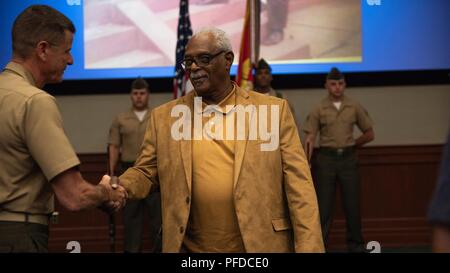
x: 274, y: 196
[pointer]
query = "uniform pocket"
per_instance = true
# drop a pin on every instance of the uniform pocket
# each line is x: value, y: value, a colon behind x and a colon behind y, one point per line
x: 281, y: 224
x: 323, y: 121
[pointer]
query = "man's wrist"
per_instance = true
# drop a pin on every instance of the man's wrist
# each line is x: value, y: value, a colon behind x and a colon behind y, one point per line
x: 104, y: 193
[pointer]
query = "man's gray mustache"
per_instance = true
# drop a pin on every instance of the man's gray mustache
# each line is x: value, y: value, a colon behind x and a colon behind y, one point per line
x: 195, y: 76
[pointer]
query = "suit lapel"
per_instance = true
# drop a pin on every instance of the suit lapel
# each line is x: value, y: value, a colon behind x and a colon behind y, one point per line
x: 186, y: 145
x: 242, y: 99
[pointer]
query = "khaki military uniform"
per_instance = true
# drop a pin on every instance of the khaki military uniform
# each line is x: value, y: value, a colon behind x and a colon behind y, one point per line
x: 336, y: 161
x: 336, y: 126
x: 33, y: 150
x: 280, y: 95
x: 127, y: 132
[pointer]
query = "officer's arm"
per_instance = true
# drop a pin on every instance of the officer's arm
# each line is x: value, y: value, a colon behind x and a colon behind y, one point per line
x: 365, y: 124
x: 114, y: 152
x: 76, y: 194
x: 310, y: 128
x: 366, y: 137
x: 309, y: 144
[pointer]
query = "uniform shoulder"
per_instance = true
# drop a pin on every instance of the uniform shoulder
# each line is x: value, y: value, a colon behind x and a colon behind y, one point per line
x: 352, y: 101
x: 124, y: 114
x: 16, y: 86
x: 280, y: 94
x: 324, y: 102
x: 265, y: 99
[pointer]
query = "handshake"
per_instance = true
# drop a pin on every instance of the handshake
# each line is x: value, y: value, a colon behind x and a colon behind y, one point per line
x: 116, y: 194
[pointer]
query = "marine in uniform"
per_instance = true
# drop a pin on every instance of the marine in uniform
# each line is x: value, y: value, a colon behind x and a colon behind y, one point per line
x: 125, y: 138
x: 36, y: 157
x: 333, y: 119
x: 263, y: 83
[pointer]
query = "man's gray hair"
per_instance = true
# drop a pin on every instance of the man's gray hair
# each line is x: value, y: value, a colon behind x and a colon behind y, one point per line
x: 221, y: 38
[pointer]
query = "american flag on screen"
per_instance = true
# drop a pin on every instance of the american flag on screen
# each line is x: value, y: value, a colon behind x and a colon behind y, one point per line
x: 184, y: 33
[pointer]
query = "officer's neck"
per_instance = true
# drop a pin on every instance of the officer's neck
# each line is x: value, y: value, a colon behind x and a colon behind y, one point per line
x: 140, y: 108
x: 32, y: 66
x: 336, y: 99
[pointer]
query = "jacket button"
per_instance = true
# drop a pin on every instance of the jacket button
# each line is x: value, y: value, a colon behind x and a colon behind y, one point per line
x: 187, y: 200
x: 181, y: 229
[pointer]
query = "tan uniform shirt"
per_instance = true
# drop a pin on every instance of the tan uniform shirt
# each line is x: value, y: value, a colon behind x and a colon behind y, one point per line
x: 127, y: 132
x: 33, y: 145
x: 274, y: 93
x: 213, y: 226
x: 280, y: 95
x: 336, y: 126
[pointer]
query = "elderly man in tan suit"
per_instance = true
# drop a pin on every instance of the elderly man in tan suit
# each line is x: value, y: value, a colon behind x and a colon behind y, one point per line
x: 226, y: 194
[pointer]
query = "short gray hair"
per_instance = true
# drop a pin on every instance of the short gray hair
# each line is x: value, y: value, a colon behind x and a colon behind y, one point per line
x: 221, y: 38
x: 38, y: 23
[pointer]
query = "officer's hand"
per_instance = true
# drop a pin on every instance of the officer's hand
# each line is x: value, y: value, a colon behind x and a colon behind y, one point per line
x: 309, y: 147
x: 117, y: 195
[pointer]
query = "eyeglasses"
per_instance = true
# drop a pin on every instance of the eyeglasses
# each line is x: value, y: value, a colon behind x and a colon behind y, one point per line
x: 201, y: 61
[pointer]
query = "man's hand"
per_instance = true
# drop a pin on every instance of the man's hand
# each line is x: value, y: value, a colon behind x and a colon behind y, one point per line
x: 117, y: 195
x: 309, y: 146
x: 366, y: 137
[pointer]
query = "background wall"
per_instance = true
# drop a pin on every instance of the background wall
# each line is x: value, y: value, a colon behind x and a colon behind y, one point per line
x: 406, y: 115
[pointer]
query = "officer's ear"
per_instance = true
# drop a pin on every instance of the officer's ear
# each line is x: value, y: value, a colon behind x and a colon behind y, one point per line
x: 41, y: 50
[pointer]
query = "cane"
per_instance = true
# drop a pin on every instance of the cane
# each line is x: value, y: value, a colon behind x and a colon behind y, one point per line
x: 112, y: 220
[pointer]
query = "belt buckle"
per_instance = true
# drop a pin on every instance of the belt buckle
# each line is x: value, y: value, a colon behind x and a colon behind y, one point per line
x: 340, y: 151
x: 54, y: 217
